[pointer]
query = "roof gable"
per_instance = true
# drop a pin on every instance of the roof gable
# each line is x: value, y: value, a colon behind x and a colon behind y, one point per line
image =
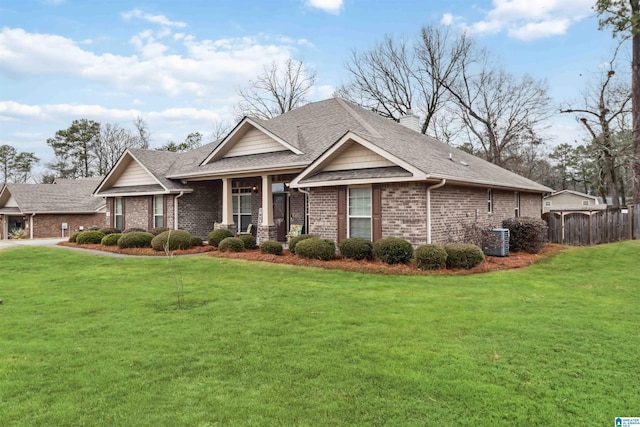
x: 247, y: 138
x: 128, y: 172
x: 352, y: 152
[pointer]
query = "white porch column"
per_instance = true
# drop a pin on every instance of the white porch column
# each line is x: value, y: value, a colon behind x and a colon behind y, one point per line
x: 227, y: 202
x: 267, y: 201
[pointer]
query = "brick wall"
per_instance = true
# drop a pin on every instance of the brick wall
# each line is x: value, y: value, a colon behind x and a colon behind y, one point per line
x: 136, y: 212
x: 323, y: 208
x: 404, y: 211
x: 49, y: 225
x: 296, y: 208
x: 197, y: 211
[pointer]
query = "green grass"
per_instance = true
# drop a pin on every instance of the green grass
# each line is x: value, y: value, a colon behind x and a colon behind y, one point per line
x: 91, y: 340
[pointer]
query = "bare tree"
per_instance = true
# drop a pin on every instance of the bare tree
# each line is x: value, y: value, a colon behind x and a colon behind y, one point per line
x: 397, y: 76
x: 280, y: 88
x: 112, y: 142
x: 605, y: 105
x: 143, y: 132
x: 220, y: 129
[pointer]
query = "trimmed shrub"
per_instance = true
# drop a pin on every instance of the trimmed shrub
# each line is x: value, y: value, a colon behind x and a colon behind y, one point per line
x: 135, y: 239
x: 271, y: 247
x: 463, y: 255
x: 356, y: 248
x: 430, y: 257
x: 111, y: 239
x: 293, y: 242
x: 526, y: 234
x: 216, y: 236
x: 248, y: 240
x: 134, y: 230
x: 171, y: 240
x: 393, y: 250
x: 110, y: 230
x: 73, y: 237
x: 157, y: 230
x: 195, y: 241
x: 232, y: 244
x: 89, y: 237
x: 315, y: 248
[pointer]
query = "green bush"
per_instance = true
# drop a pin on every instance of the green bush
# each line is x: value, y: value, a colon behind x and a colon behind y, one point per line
x: 135, y: 239
x: 463, y: 255
x: 526, y: 234
x: 111, y: 239
x: 89, y: 237
x: 134, y: 230
x: 73, y: 237
x: 110, y: 230
x: 157, y: 230
x: 271, y: 247
x: 248, y: 240
x: 430, y: 257
x: 232, y: 244
x: 293, y: 242
x: 171, y: 240
x: 195, y: 241
x: 315, y: 248
x: 216, y: 236
x: 393, y: 250
x: 356, y: 248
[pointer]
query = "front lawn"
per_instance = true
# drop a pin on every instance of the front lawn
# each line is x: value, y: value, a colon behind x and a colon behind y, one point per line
x: 91, y: 340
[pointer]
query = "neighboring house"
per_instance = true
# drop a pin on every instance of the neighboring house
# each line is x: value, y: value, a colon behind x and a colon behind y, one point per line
x: 568, y: 200
x: 50, y: 210
x: 335, y: 168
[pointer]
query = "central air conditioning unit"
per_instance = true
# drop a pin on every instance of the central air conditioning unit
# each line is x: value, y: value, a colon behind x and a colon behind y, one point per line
x: 497, y: 242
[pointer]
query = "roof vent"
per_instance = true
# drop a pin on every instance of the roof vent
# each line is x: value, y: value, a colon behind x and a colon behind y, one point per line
x: 410, y: 121
x: 451, y: 157
x: 463, y: 163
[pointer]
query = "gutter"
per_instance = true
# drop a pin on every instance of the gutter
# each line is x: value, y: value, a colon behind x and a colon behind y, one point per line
x: 175, y: 210
x: 433, y: 187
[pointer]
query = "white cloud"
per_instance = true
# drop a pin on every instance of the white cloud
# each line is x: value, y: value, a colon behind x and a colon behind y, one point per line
x: 155, y: 19
x: 330, y: 6
x: 527, y: 20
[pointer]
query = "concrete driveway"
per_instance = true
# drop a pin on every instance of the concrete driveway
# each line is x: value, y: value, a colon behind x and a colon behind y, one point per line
x: 28, y: 242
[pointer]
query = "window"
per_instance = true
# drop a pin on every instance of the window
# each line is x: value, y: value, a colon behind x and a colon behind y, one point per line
x: 158, y: 211
x: 547, y: 203
x: 585, y: 203
x: 118, y: 218
x: 359, y: 212
x: 242, y: 208
x: 517, y: 204
x: 490, y: 201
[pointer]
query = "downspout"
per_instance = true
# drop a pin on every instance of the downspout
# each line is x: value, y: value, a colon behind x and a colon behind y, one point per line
x: 433, y: 187
x: 31, y: 226
x: 175, y: 210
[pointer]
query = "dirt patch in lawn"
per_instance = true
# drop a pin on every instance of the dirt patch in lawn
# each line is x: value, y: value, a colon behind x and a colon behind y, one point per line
x: 514, y: 260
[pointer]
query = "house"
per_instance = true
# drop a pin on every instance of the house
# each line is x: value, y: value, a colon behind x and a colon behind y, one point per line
x: 50, y: 210
x: 568, y: 200
x: 331, y: 166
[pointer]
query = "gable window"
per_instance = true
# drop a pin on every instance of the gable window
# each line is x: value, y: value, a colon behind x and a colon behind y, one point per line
x: 517, y: 204
x: 117, y: 215
x: 158, y: 211
x: 490, y: 200
x: 242, y: 208
x: 585, y: 203
x: 359, y: 212
x: 547, y: 203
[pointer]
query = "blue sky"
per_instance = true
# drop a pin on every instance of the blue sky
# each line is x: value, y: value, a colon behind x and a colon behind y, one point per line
x: 178, y: 64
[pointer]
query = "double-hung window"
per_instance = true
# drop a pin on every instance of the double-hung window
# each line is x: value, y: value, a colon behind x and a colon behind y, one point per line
x: 242, y: 208
x: 517, y: 204
x: 359, y: 212
x: 117, y: 214
x: 158, y: 211
x: 490, y: 201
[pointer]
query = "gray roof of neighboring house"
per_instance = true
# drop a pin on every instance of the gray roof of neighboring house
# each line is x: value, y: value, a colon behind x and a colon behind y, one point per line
x: 314, y: 128
x: 65, y: 196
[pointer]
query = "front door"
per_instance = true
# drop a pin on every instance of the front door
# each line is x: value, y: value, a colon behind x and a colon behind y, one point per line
x: 280, y: 215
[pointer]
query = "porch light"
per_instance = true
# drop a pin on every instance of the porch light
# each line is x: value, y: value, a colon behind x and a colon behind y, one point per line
x: 254, y: 189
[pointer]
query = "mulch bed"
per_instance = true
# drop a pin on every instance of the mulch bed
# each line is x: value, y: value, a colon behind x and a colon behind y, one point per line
x: 514, y: 260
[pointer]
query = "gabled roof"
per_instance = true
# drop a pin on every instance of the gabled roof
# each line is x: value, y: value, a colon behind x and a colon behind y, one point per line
x: 64, y: 196
x: 572, y: 192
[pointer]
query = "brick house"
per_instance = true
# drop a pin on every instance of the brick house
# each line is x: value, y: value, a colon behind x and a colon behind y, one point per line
x: 336, y: 169
x: 50, y: 210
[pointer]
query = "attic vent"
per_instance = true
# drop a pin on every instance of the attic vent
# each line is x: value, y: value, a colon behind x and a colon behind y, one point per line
x: 451, y: 157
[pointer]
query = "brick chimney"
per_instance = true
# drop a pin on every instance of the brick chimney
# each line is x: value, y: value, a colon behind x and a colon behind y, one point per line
x: 410, y: 121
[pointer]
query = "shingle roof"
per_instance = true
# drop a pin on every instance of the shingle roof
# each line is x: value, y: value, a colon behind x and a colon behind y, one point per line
x: 65, y: 196
x: 315, y: 127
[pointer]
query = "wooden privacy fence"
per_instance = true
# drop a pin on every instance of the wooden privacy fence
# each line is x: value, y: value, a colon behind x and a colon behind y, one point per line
x: 581, y: 228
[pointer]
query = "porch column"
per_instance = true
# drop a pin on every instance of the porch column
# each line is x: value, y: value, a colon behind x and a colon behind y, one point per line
x: 227, y: 202
x: 267, y: 201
